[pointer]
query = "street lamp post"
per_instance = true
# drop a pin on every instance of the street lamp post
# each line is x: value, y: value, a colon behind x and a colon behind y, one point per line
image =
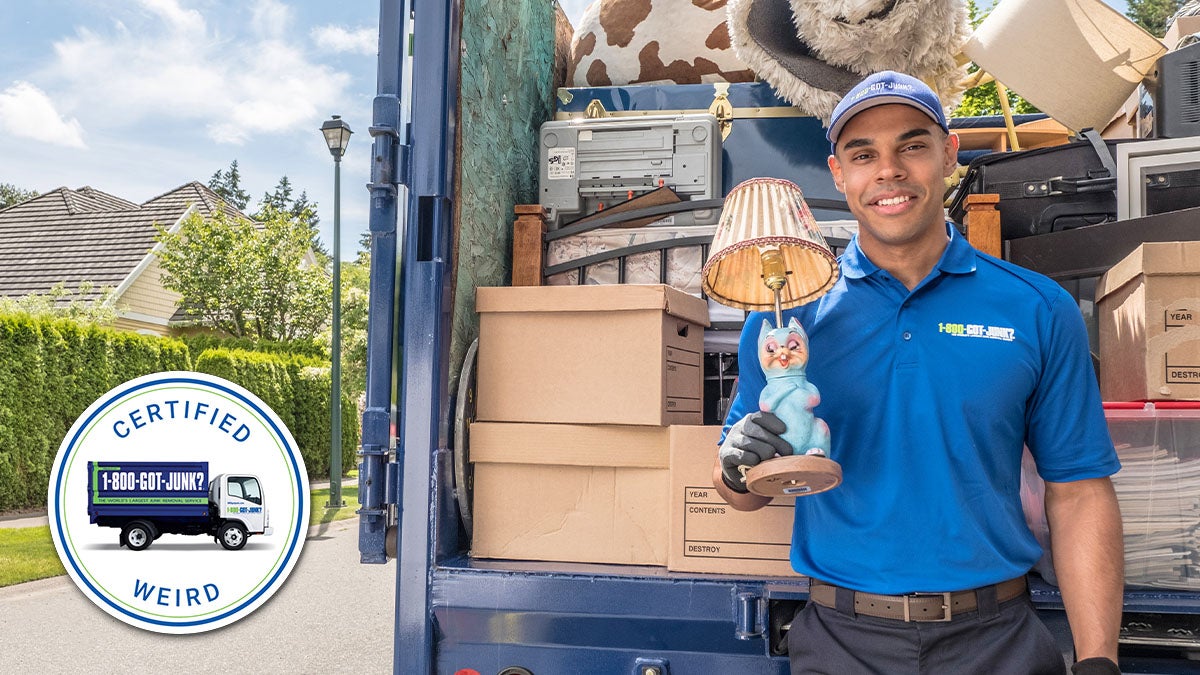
x: 337, y: 137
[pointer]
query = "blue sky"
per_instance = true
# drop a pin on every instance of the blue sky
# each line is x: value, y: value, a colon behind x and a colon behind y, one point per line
x: 137, y: 97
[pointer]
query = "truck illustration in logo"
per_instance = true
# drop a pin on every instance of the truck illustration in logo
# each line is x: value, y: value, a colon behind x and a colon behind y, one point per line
x: 145, y: 500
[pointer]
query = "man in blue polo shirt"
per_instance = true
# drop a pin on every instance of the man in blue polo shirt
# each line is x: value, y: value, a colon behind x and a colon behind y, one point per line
x: 936, y: 365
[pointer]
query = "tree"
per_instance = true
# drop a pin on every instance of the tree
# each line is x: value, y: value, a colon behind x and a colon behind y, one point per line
x: 356, y: 280
x: 11, y: 194
x: 228, y: 185
x: 1153, y: 14
x: 984, y: 99
x: 300, y: 209
x: 61, y: 302
x: 246, y: 279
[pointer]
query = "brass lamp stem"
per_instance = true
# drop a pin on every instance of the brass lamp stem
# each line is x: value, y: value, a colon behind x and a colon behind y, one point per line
x: 775, y: 278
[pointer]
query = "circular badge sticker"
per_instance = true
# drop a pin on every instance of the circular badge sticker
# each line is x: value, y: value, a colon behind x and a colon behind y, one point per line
x: 178, y: 502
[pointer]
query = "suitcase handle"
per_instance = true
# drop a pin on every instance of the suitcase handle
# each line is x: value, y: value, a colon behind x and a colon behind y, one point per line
x: 1078, y: 185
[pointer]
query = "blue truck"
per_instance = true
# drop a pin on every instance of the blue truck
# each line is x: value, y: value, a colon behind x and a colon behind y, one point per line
x: 459, y: 614
x: 145, y: 500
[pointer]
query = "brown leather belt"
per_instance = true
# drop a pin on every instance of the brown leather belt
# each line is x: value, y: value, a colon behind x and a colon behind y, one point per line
x: 916, y: 606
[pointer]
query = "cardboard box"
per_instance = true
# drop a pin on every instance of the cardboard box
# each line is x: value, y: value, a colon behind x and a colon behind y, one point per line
x: 1182, y: 27
x: 708, y: 535
x: 1149, y: 324
x: 572, y: 493
x: 623, y: 354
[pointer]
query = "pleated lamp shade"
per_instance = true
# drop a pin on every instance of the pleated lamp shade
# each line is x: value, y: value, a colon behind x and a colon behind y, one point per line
x: 765, y: 214
x: 1076, y: 60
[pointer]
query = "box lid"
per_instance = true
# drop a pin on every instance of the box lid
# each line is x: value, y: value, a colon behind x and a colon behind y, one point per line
x: 608, y: 445
x: 596, y: 298
x: 1162, y: 258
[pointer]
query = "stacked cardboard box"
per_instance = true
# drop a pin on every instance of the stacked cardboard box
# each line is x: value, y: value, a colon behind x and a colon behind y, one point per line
x: 588, y: 445
x: 576, y: 388
x: 1149, y: 324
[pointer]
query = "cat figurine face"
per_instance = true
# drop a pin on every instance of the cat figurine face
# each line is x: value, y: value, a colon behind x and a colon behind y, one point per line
x: 782, y: 349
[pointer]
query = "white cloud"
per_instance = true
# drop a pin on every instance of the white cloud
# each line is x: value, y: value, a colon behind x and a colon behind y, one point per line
x: 340, y: 39
x: 247, y: 76
x: 28, y: 112
x: 271, y: 18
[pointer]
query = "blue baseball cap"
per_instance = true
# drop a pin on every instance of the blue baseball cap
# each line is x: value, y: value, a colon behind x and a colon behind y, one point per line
x: 882, y: 88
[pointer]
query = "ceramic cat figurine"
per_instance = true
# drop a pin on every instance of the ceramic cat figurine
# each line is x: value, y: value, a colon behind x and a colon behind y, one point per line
x: 783, y: 354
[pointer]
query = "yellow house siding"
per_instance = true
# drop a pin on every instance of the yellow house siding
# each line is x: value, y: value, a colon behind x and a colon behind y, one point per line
x: 147, y: 296
x: 134, y: 326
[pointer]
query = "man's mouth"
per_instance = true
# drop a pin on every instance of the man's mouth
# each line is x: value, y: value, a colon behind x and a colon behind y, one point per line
x: 892, y: 201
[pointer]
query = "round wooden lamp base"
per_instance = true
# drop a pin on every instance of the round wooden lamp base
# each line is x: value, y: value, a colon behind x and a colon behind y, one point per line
x: 794, y: 476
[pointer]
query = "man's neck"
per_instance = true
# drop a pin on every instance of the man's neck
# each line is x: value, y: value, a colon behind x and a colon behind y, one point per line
x: 909, y: 263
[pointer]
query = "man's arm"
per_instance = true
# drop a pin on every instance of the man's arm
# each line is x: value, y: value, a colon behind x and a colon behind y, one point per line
x: 1089, y: 561
x: 742, y: 501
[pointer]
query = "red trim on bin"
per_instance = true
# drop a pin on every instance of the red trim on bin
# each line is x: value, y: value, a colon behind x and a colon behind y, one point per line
x: 1155, y: 405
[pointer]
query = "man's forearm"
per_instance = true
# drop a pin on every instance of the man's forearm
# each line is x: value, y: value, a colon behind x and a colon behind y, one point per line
x: 1089, y: 561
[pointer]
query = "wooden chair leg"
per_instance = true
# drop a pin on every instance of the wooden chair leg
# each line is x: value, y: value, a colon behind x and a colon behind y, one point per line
x: 983, y: 223
x: 529, y: 228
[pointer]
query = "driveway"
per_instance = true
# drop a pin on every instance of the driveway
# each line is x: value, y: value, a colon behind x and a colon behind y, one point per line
x: 333, y: 615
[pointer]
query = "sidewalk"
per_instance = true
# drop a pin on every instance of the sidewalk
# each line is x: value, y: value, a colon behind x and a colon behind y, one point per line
x: 40, y: 519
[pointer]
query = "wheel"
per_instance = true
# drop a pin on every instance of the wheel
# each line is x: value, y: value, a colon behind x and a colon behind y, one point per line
x: 138, y: 535
x: 464, y: 414
x: 232, y: 536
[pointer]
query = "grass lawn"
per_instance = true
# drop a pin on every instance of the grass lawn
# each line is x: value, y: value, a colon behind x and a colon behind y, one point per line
x: 27, y: 553
x: 320, y: 514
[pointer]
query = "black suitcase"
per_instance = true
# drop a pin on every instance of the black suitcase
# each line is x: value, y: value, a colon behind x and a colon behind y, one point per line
x: 1065, y: 186
x: 1046, y: 189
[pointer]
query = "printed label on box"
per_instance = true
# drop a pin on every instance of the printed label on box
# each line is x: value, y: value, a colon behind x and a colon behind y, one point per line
x: 709, y: 524
x: 560, y: 164
x: 1175, y: 370
x: 1178, y: 317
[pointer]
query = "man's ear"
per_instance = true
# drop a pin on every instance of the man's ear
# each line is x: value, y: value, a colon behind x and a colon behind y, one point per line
x: 835, y: 168
x: 951, y: 158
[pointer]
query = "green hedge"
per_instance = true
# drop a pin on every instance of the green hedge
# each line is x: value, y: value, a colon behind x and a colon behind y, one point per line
x: 198, y: 343
x: 51, y: 370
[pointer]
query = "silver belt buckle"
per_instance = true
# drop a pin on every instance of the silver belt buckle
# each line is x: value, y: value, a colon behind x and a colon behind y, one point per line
x: 946, y: 614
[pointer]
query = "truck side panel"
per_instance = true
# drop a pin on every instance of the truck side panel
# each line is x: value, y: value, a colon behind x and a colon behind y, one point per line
x: 119, y: 489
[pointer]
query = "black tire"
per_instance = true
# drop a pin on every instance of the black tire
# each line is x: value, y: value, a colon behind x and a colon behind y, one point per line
x: 232, y: 536
x: 138, y: 535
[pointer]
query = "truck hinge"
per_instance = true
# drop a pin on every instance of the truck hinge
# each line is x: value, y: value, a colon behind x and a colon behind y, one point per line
x: 389, y: 160
x: 373, y: 471
x: 750, y: 611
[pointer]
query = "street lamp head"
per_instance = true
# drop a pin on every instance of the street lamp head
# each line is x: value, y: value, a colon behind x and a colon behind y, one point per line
x: 337, y: 136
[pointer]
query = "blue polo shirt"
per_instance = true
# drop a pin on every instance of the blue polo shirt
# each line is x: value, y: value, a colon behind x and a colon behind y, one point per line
x: 930, y: 395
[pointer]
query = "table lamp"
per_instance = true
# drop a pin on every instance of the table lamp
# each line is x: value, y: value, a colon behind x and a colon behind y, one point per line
x: 768, y: 254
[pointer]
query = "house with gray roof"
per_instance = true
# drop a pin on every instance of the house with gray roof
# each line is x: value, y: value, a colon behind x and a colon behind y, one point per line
x: 84, y: 235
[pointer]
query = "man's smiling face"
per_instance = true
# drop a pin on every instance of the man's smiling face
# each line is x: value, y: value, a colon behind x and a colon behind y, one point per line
x: 890, y: 163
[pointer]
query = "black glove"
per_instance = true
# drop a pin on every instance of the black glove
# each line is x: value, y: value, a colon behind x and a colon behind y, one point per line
x: 1097, y: 665
x: 755, y: 437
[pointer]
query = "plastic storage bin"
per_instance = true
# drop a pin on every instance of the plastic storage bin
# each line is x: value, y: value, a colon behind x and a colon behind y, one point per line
x: 1158, y: 489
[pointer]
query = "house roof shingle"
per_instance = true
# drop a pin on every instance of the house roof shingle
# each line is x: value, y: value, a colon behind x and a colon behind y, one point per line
x: 85, y: 235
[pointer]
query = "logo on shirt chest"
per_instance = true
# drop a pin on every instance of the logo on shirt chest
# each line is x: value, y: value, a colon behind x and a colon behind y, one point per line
x: 976, y: 330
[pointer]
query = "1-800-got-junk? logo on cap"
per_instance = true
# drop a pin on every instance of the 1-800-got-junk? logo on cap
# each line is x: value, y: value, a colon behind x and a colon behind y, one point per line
x: 178, y: 502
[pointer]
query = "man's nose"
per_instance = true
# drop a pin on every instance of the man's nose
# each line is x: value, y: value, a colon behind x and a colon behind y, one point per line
x: 889, y: 167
